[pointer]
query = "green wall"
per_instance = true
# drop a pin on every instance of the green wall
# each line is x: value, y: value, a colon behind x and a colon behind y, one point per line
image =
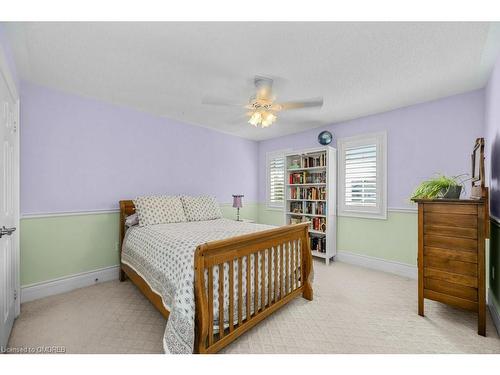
x: 270, y: 216
x: 58, y: 246
x: 393, y: 239
x: 249, y: 211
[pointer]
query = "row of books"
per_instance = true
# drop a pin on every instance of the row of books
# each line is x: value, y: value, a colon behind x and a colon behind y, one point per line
x: 307, y: 178
x: 315, y: 208
x: 310, y: 208
x: 316, y: 161
x: 318, y: 223
x: 308, y: 162
x: 313, y: 193
x: 318, y: 244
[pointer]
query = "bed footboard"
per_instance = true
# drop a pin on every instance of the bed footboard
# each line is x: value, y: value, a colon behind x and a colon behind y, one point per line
x: 279, y: 265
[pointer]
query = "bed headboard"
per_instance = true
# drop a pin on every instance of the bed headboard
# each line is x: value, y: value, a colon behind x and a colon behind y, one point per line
x: 127, y: 208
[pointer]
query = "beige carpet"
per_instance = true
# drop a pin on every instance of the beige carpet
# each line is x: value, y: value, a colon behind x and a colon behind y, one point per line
x: 355, y: 310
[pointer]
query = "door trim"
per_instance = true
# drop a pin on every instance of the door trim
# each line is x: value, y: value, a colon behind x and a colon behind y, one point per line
x: 6, y: 74
x: 17, y: 209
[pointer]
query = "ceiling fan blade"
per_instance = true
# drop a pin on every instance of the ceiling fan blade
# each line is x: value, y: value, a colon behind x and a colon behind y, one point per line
x: 239, y: 120
x: 317, y: 102
x: 221, y: 102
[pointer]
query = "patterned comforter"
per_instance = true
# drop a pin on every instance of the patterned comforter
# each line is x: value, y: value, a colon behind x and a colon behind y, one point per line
x: 163, y: 255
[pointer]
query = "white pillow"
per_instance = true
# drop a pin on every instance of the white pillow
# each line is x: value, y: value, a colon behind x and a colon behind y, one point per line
x: 201, y: 208
x: 159, y: 209
x: 132, y: 220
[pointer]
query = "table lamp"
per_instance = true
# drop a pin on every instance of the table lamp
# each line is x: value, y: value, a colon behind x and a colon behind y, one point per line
x: 237, y: 203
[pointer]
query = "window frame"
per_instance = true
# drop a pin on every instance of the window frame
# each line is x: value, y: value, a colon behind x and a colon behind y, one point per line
x: 269, y: 156
x: 380, y: 210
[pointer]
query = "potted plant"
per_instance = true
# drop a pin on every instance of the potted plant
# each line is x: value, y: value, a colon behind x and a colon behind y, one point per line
x: 440, y: 187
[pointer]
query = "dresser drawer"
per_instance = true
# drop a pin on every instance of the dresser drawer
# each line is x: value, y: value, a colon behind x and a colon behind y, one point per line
x: 450, y: 220
x: 452, y: 289
x: 452, y: 243
x: 451, y: 300
x: 450, y: 265
x: 463, y: 256
x: 461, y: 209
x: 450, y: 277
x: 442, y: 230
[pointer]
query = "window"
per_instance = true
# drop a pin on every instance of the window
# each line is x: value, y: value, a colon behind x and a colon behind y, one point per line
x: 362, y: 176
x: 275, y: 179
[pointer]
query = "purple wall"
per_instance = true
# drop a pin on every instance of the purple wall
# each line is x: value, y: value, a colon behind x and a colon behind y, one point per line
x: 82, y: 154
x: 423, y: 139
x: 492, y: 147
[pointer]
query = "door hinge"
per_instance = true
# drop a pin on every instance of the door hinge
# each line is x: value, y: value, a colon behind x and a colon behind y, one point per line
x: 15, y: 295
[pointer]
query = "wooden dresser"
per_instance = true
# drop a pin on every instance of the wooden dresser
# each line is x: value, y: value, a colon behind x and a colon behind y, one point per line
x: 451, y: 254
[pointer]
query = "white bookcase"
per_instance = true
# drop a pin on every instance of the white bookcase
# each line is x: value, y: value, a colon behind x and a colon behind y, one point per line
x: 310, y: 196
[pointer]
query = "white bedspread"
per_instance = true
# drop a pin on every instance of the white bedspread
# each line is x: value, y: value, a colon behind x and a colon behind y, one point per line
x: 164, y: 254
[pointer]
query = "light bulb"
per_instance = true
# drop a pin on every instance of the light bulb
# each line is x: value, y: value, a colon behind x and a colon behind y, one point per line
x: 268, y: 120
x: 255, y: 119
x: 271, y: 118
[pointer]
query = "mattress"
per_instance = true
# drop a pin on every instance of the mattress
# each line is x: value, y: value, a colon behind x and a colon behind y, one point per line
x: 163, y: 255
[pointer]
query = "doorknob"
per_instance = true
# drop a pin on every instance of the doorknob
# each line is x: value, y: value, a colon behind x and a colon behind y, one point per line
x: 6, y: 231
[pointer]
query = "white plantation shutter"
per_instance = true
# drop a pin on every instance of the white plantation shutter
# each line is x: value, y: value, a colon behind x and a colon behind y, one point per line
x: 362, y: 176
x: 275, y: 179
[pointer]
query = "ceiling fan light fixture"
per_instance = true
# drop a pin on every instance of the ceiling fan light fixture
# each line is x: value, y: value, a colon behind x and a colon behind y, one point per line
x: 262, y: 106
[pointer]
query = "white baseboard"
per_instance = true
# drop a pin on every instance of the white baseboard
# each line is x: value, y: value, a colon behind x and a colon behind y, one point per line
x: 401, y: 269
x: 68, y: 283
x: 495, y: 314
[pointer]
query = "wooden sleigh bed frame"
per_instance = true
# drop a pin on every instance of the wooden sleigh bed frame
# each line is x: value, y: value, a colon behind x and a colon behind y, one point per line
x: 284, y: 241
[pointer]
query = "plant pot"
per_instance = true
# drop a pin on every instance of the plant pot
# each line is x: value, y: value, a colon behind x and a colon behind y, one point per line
x: 452, y: 192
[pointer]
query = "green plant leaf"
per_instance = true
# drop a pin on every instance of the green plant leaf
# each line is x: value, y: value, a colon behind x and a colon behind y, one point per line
x: 434, y: 187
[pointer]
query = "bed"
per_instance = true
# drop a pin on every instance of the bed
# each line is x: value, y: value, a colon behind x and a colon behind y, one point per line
x: 177, y: 267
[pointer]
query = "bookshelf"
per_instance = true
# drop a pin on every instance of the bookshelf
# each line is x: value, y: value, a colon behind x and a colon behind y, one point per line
x: 310, y: 196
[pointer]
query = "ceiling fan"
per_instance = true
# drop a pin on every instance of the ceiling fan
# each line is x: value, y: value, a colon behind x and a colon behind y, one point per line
x: 262, y: 106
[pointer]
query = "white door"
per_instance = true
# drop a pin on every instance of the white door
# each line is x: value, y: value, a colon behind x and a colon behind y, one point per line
x: 9, y: 208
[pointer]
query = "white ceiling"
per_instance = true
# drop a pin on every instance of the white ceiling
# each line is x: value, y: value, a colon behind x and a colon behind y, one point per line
x: 167, y: 68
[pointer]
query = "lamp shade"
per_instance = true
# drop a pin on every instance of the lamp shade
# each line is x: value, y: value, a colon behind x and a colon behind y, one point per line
x: 237, y: 202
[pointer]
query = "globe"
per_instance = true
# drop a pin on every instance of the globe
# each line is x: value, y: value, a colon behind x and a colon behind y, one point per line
x: 325, y: 137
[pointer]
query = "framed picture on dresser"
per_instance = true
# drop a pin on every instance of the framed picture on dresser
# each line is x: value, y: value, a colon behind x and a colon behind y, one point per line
x: 477, y: 172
